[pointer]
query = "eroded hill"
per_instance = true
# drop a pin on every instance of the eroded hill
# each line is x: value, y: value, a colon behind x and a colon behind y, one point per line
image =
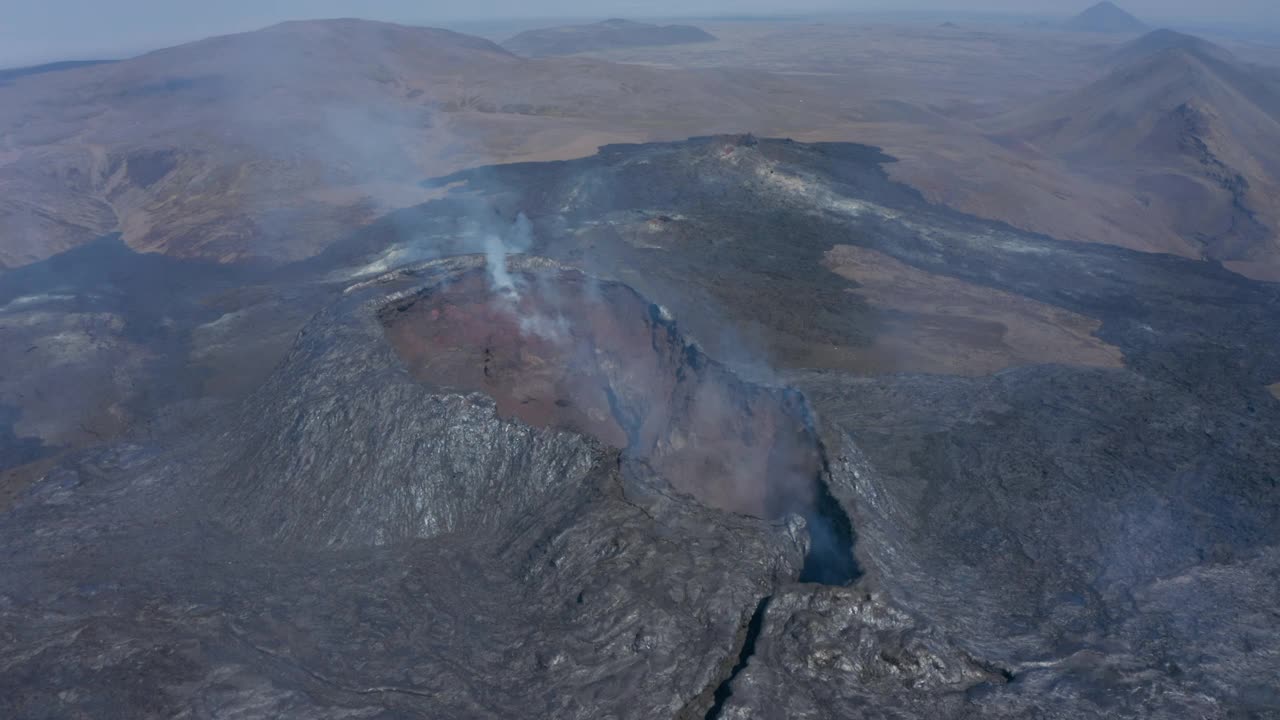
x: 1189, y: 131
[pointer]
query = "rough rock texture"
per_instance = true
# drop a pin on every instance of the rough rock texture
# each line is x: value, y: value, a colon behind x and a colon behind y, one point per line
x: 486, y: 569
x: 352, y: 540
x: 838, y: 652
x: 426, y: 463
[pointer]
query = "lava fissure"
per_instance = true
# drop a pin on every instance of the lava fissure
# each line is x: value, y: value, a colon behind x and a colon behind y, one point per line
x: 630, y: 424
x: 832, y: 562
x: 725, y: 689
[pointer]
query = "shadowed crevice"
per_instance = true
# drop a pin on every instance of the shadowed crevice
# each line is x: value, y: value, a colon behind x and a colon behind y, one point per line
x: 725, y: 690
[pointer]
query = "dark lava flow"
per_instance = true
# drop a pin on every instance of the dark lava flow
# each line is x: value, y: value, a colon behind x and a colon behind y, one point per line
x: 562, y: 350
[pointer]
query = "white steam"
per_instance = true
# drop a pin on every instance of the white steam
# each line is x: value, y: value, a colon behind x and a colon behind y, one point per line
x: 497, y: 246
x: 507, y: 290
x: 544, y: 326
x: 495, y: 255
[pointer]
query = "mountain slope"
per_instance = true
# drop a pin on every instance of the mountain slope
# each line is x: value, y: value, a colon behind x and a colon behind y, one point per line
x: 191, y: 145
x: 15, y: 73
x: 1105, y: 17
x: 273, y: 144
x: 1163, y: 39
x: 1190, y: 131
x: 570, y: 39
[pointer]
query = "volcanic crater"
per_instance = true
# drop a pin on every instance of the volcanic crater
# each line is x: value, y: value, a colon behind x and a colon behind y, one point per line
x: 558, y: 349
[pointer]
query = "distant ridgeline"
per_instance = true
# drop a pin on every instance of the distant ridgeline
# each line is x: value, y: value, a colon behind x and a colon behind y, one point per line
x: 607, y: 35
x: 7, y: 76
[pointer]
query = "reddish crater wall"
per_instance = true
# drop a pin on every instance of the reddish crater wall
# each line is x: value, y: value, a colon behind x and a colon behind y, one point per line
x: 567, y: 352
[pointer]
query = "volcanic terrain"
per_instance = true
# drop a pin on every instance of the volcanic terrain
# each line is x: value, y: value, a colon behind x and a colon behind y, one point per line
x: 357, y: 370
x: 505, y: 484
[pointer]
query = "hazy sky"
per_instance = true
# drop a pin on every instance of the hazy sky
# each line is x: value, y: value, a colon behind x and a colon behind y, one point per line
x: 33, y: 31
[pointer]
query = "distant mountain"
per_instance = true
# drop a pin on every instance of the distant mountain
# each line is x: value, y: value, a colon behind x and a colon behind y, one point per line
x: 1190, y: 131
x: 1161, y: 40
x: 570, y: 39
x: 1106, y: 17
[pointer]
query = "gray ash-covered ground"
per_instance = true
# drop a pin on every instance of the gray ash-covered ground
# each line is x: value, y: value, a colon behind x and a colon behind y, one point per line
x: 387, y: 526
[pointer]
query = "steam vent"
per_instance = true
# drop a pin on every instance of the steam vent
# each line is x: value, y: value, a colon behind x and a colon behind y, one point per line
x: 557, y: 349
